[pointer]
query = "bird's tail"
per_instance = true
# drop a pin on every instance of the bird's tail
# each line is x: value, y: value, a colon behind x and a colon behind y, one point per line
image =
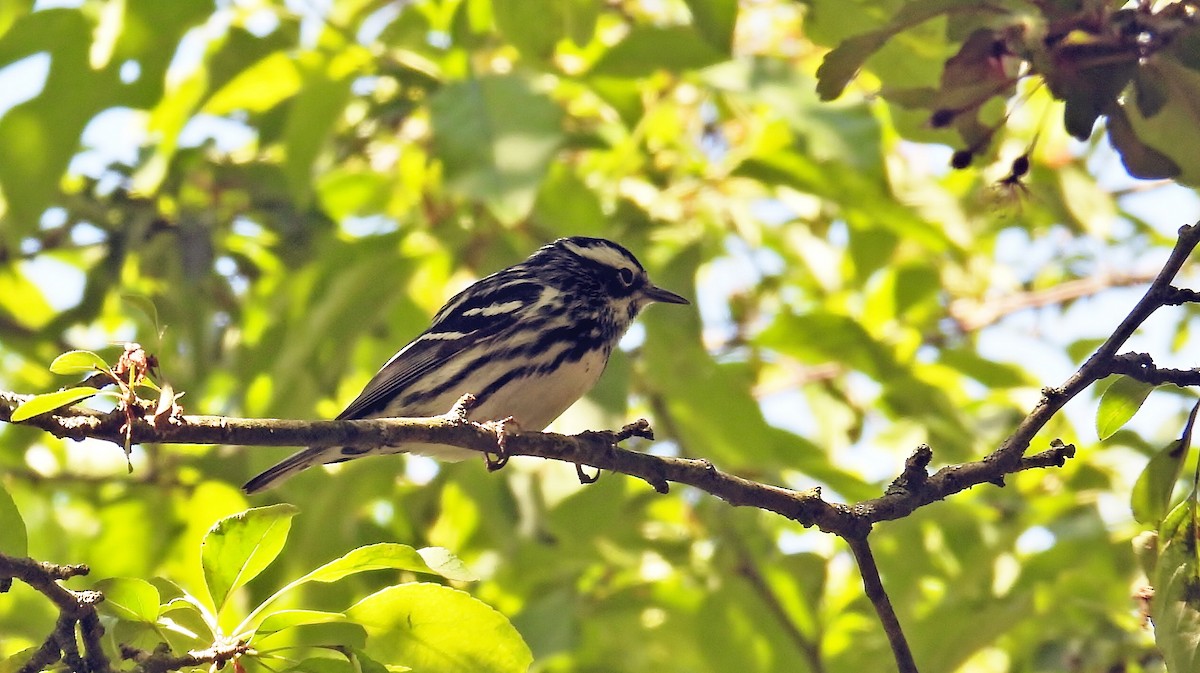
x: 297, y: 462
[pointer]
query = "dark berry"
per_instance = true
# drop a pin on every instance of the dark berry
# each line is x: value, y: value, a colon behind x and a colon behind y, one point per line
x: 941, y: 118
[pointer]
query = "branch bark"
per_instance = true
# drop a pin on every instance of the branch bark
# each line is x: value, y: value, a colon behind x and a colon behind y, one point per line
x: 873, y: 587
x: 76, y: 609
x: 915, y: 488
x: 973, y: 315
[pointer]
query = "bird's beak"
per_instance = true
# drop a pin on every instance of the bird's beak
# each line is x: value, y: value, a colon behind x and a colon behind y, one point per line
x: 656, y: 293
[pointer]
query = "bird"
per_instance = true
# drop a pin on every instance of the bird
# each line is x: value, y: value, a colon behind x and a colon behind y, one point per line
x: 527, y: 341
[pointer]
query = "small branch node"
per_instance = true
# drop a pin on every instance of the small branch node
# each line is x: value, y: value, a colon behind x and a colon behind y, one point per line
x: 1177, y: 296
x: 1051, y: 393
x: 89, y: 597
x: 916, y: 472
x: 458, y: 412
x: 639, y: 428
x: 1141, y: 366
x: 1056, y: 456
x: 65, y: 572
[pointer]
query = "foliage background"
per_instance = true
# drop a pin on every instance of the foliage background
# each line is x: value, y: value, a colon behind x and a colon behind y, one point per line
x: 274, y: 196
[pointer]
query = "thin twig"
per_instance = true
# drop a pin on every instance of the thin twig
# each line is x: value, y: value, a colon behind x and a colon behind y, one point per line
x: 162, y: 659
x: 1141, y: 367
x: 873, y: 586
x: 1097, y: 366
x: 912, y: 490
x: 809, y: 647
x: 973, y: 315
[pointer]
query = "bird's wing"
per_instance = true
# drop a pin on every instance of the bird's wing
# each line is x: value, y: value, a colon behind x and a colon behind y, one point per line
x: 479, y: 314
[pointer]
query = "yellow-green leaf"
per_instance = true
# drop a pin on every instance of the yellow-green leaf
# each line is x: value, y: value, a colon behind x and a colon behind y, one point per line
x: 14, y: 539
x: 1119, y: 403
x: 422, y: 625
x: 1175, y: 605
x: 129, y: 598
x: 77, y: 362
x: 1152, y: 491
x: 48, y: 402
x: 433, y: 560
x: 237, y: 548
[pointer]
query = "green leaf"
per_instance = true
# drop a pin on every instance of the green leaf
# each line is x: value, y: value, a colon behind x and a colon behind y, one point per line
x: 382, y: 556
x: 1178, y: 115
x: 496, y: 137
x: 258, y: 88
x: 1152, y: 491
x: 1176, y: 603
x: 1119, y: 403
x: 14, y: 539
x: 357, y: 661
x: 987, y: 371
x: 390, y: 555
x: 48, y: 402
x: 286, y: 619
x: 77, y: 362
x: 534, y: 27
x: 831, y: 337
x: 844, y: 61
x: 129, y: 598
x: 331, y: 634
x: 39, y: 136
x: 841, y: 64
x: 1151, y: 91
x: 648, y: 49
x: 16, y: 662
x: 21, y: 299
x: 1089, y: 92
x: 313, y: 113
x: 714, y: 20
x: 441, y: 561
x: 1141, y: 160
x: 312, y: 628
x: 422, y: 625
x: 239, y: 547
x: 344, y: 192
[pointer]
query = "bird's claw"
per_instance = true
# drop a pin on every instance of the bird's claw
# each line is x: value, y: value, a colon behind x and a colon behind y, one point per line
x: 584, y: 477
x: 500, y: 428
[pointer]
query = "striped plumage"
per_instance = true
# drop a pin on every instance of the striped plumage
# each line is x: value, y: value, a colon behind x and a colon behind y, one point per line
x: 527, y: 341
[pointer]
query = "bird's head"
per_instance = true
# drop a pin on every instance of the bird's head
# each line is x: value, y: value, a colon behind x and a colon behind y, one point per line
x: 599, y: 266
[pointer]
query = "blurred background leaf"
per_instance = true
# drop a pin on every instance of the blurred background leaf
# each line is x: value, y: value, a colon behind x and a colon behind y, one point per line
x: 273, y: 197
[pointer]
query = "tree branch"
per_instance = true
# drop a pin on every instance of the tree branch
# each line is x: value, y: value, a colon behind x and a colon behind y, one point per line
x: 1141, y: 367
x: 162, y: 660
x: 972, y: 315
x: 809, y: 648
x: 76, y: 608
x: 913, y: 489
x: 873, y: 586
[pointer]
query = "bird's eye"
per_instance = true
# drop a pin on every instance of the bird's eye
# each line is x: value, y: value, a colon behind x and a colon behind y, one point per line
x: 626, y: 276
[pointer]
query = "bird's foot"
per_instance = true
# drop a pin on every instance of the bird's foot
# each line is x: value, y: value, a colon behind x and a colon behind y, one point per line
x: 584, y: 477
x: 499, y: 459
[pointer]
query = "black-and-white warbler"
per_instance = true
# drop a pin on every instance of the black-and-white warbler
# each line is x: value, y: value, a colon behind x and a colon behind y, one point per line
x: 527, y: 341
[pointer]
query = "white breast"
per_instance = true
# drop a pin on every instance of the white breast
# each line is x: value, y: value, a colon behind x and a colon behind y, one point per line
x: 536, y: 401
x: 533, y: 403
